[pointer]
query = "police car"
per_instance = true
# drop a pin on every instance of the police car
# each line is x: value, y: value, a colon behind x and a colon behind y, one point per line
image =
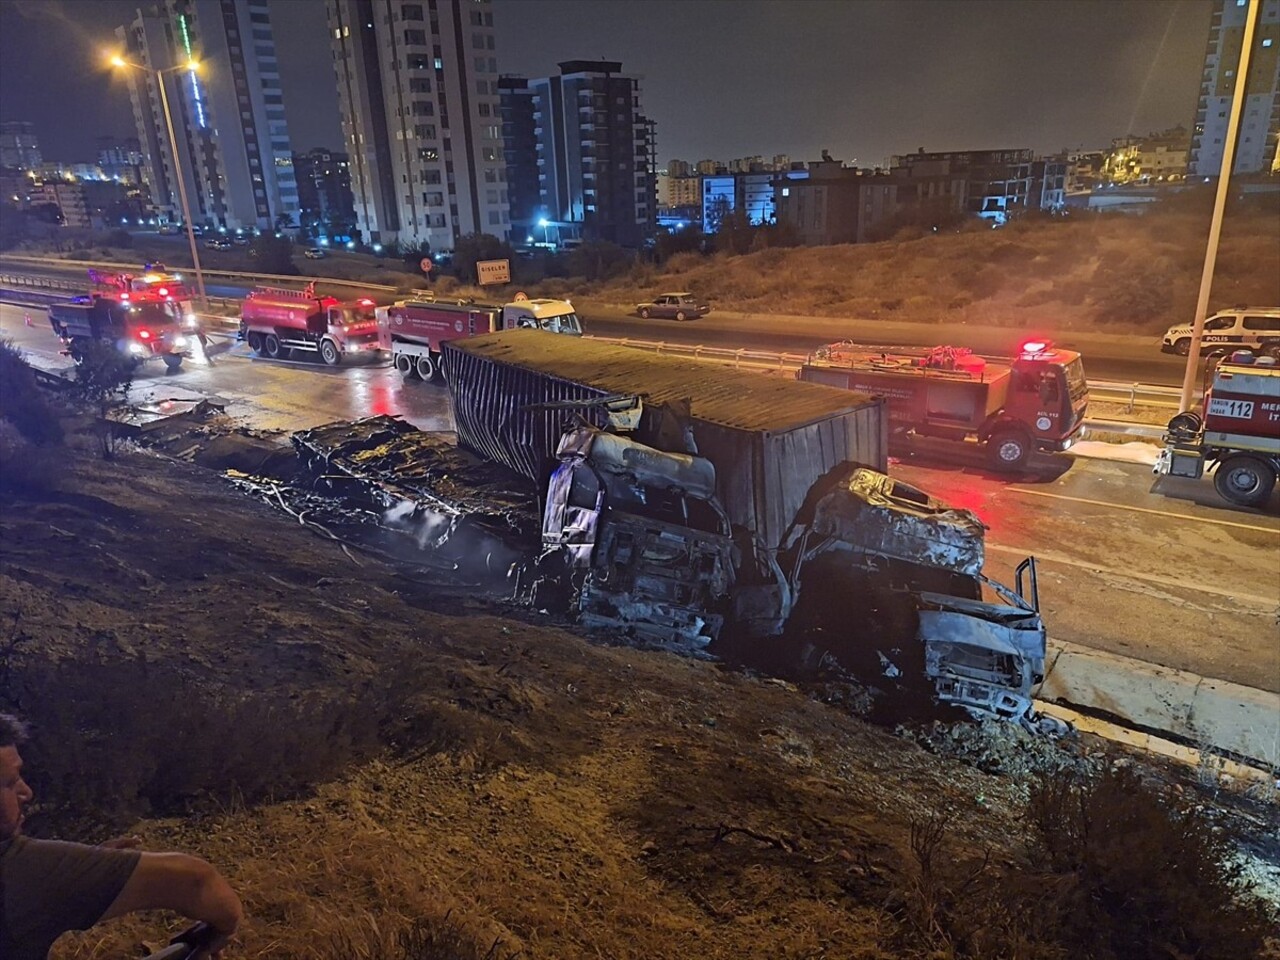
x: 1247, y: 328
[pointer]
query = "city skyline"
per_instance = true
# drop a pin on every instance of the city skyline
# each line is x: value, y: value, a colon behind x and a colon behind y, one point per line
x: 862, y: 80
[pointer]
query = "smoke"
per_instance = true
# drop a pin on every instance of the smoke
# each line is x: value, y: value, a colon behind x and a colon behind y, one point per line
x: 430, y: 529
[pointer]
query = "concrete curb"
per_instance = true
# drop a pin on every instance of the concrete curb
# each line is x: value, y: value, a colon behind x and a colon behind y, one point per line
x: 1201, y: 710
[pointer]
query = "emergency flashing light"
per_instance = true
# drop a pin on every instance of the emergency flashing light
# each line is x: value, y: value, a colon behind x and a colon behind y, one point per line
x: 124, y: 296
x: 365, y: 302
x: 1032, y: 347
x: 144, y: 334
x: 163, y: 291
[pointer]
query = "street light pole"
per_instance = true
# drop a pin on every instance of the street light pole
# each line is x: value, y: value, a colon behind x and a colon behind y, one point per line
x: 202, y: 296
x: 182, y: 193
x: 1219, y: 205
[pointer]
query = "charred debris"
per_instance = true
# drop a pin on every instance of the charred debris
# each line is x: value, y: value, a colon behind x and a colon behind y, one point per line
x: 685, y: 506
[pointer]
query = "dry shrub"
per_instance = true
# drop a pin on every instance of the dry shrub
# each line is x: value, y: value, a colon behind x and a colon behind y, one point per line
x: 22, y: 403
x: 683, y: 263
x: 1131, y: 292
x: 25, y: 466
x: 442, y: 938
x: 1142, y: 876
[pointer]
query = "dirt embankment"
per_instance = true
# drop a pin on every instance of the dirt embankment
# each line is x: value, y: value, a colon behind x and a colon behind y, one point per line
x: 493, y: 778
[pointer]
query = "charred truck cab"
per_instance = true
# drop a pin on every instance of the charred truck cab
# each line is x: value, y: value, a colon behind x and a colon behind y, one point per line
x: 416, y: 328
x: 143, y: 330
x: 276, y: 322
x: 1036, y: 400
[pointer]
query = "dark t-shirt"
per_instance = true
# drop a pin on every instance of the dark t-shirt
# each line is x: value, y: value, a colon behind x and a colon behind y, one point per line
x: 49, y: 887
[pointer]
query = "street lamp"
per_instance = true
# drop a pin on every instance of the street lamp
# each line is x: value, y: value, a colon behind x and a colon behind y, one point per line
x: 193, y: 67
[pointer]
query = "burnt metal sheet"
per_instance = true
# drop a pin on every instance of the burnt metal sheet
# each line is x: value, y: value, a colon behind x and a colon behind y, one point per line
x: 878, y: 515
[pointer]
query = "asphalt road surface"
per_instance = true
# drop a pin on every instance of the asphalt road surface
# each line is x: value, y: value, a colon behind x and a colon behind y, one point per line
x: 1161, y: 570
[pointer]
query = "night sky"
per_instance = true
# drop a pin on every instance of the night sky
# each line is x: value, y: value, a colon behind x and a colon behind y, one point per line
x: 723, y: 78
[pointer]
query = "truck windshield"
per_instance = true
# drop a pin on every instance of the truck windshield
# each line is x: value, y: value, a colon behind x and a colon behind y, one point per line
x: 358, y: 314
x: 153, y: 314
x: 1077, y: 386
x: 560, y: 323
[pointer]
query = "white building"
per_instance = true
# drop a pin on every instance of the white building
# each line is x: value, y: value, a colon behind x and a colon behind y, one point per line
x: 418, y: 91
x: 228, y: 117
x: 1260, y: 121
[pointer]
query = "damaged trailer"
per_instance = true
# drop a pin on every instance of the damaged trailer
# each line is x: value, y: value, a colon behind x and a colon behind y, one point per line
x: 868, y: 567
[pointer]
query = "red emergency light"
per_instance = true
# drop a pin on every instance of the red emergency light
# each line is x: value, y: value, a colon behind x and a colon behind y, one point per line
x: 365, y: 302
x: 124, y: 296
x: 1032, y: 347
x: 163, y: 291
x: 144, y: 334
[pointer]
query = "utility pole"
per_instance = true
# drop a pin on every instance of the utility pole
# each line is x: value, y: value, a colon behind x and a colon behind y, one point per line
x: 1219, y: 204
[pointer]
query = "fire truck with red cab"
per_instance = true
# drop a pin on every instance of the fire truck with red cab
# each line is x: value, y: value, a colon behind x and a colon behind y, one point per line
x: 416, y: 328
x: 1237, y: 428
x: 276, y: 322
x: 1036, y: 400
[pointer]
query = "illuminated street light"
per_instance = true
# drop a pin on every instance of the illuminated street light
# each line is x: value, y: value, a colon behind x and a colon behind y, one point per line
x: 191, y: 66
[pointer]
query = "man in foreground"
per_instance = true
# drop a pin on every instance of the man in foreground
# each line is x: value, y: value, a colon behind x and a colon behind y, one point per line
x: 48, y: 887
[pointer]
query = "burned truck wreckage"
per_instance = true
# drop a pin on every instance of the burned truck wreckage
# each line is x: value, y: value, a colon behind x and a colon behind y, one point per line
x: 694, y: 507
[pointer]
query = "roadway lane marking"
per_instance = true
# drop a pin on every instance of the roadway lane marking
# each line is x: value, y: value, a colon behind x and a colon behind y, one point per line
x: 1158, y: 513
x: 1269, y: 603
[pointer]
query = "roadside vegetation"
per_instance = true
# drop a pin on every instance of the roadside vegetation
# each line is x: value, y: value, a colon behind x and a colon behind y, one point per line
x: 388, y: 767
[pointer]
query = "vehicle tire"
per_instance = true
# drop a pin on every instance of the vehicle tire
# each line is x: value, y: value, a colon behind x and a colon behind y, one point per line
x: 255, y: 342
x: 404, y: 364
x: 426, y: 367
x: 1244, y: 480
x: 1008, y: 450
x: 681, y: 315
x: 271, y: 346
x: 173, y: 362
x: 644, y: 313
x: 1183, y: 346
x: 330, y: 353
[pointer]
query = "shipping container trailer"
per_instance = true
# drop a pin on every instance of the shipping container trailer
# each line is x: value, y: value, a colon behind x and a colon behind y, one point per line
x: 769, y: 438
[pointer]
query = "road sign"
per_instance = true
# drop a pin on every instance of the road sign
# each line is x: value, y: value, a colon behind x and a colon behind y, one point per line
x: 426, y: 265
x: 493, y: 271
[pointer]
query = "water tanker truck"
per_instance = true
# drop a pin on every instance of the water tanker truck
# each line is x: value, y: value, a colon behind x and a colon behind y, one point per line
x: 277, y: 322
x: 1036, y: 400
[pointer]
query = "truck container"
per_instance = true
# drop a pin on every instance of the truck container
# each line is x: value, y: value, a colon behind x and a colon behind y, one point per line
x: 1036, y: 400
x: 1237, y: 428
x: 144, y: 330
x: 770, y: 439
x: 417, y: 328
x: 276, y: 322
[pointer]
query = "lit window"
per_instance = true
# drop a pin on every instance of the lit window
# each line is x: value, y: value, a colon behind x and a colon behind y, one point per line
x: 786, y: 191
x: 1267, y: 42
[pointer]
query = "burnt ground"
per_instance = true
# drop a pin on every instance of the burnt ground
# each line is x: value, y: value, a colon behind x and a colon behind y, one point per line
x: 553, y: 795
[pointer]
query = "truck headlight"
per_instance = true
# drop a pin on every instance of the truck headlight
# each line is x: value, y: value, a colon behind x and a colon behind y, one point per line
x: 179, y: 341
x: 191, y: 321
x: 137, y: 348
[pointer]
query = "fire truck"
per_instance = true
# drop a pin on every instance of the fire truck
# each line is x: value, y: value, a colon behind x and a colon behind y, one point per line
x: 1036, y: 400
x: 1237, y: 428
x: 143, y: 329
x: 416, y: 328
x: 277, y: 322
x: 155, y: 284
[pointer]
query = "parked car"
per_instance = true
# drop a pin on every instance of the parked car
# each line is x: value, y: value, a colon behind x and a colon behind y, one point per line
x: 241, y: 240
x: 314, y: 253
x: 676, y: 306
x: 219, y: 243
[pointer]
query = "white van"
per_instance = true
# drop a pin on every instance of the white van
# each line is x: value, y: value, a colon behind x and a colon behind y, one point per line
x: 1240, y: 328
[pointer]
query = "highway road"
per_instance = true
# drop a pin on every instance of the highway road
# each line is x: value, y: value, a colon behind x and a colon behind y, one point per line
x: 1119, y: 357
x: 1160, y: 570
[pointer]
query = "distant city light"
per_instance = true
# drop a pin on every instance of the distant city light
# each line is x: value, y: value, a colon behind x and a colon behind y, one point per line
x: 351, y: 244
x: 377, y: 248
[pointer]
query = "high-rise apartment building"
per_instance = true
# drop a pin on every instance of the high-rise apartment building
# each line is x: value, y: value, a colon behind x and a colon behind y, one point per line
x: 324, y: 191
x: 593, y: 152
x: 1260, y: 120
x: 418, y: 91
x: 228, y: 116
x: 19, y: 148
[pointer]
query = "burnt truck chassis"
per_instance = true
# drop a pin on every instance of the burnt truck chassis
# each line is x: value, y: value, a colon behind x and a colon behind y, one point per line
x: 875, y: 575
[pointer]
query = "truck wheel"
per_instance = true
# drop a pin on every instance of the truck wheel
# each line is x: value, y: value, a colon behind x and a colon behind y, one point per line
x: 173, y: 362
x: 427, y: 367
x: 644, y: 313
x: 1183, y: 346
x: 255, y: 342
x: 1008, y: 449
x: 271, y: 345
x: 330, y: 353
x: 404, y: 364
x: 1244, y: 480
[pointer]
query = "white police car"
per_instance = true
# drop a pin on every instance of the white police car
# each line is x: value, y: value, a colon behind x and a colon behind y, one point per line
x: 1240, y: 328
